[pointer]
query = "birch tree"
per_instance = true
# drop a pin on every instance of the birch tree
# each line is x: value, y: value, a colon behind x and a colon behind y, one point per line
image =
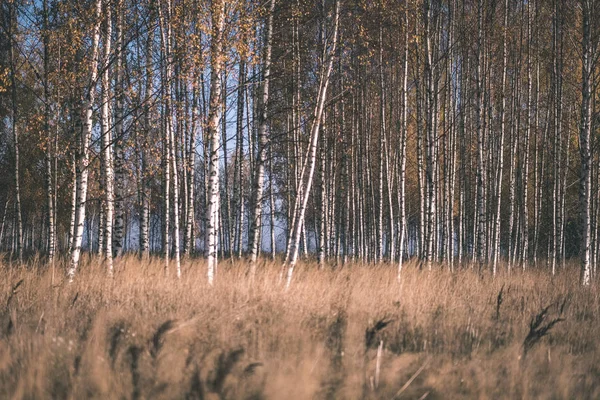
x: 216, y: 66
x: 500, y: 167
x: 171, y: 170
x: 402, y: 169
x: 262, y: 114
x: 13, y: 52
x: 119, y: 173
x: 584, y: 139
x: 49, y: 138
x: 106, y: 145
x: 83, y: 150
x: 308, y: 167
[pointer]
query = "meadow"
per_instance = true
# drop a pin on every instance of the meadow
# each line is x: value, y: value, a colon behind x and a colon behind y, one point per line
x: 343, y: 332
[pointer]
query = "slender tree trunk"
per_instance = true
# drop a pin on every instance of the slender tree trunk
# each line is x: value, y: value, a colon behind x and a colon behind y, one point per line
x: 166, y: 164
x: 191, y: 177
x: 119, y: 132
x: 239, y: 145
x: 402, y: 229
x: 420, y: 155
x: 262, y: 115
x: 526, y: 141
x: 272, y: 202
x: 170, y: 151
x: 431, y: 139
x: 3, y: 221
x: 82, y: 170
x: 500, y: 170
x: 305, y: 184
x: 145, y: 192
x: 556, y: 193
x: 512, y: 241
x: 322, y: 207
x: 175, y: 168
x: 480, y: 176
x: 106, y: 144
x: 73, y: 210
x: 225, y: 203
x: 584, y: 141
x: 385, y: 157
x: 49, y: 137
x: 212, y: 213
x: 12, y: 34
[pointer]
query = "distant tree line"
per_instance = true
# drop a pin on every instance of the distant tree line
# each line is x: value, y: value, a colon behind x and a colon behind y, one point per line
x: 454, y: 131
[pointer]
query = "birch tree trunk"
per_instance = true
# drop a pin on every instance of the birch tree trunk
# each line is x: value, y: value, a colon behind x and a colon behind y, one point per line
x: 420, y: 163
x: 3, y: 220
x: 106, y: 145
x: 381, y: 152
x: 306, y: 183
x: 385, y: 153
x: 525, y: 197
x: 216, y: 66
x: 225, y: 204
x: 82, y: 170
x: 430, y: 139
x: 556, y: 194
x: 584, y: 141
x: 15, y: 131
x: 119, y: 172
x: 513, y: 170
x: 500, y: 170
x: 191, y: 178
x: 145, y: 198
x: 50, y: 152
x: 321, y: 249
x: 481, y: 203
x: 73, y: 210
x: 262, y: 114
x: 239, y: 148
x: 272, y: 202
x: 176, y: 219
x: 171, y: 159
x: 402, y: 229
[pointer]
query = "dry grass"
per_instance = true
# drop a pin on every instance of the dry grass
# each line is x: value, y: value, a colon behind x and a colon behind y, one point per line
x: 141, y: 335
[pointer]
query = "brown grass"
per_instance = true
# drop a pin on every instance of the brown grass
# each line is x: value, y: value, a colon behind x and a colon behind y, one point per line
x: 142, y: 335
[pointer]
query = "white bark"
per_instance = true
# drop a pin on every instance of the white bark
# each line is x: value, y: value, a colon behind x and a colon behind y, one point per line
x: 171, y: 159
x: 212, y: 211
x: 584, y: 142
x: 106, y: 145
x: 82, y: 171
x: 305, y: 184
x: 431, y: 141
x: 119, y: 173
x: 481, y: 203
x: 145, y: 195
x: 191, y: 178
x: 402, y: 229
x: 239, y: 146
x: 272, y: 203
x: 525, y: 198
x: 49, y: 148
x: 262, y: 114
x: 500, y: 171
x: 15, y: 132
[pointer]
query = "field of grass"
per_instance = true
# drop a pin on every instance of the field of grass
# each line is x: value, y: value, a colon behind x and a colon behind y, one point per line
x: 347, y: 333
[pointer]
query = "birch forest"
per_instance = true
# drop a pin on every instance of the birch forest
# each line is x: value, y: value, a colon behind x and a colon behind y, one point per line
x: 355, y: 158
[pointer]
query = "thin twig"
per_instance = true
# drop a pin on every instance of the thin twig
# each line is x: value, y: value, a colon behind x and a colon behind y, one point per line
x: 412, y: 378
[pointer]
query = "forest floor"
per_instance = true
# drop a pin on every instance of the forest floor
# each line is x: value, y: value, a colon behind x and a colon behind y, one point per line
x: 351, y: 332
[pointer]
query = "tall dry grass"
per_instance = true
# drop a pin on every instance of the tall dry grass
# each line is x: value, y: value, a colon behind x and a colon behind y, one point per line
x: 353, y: 332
